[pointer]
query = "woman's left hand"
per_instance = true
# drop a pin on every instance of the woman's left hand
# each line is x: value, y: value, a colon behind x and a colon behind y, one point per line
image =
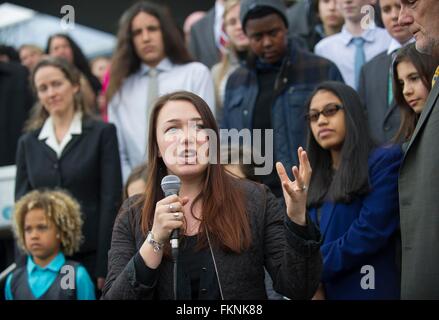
x: 295, y: 193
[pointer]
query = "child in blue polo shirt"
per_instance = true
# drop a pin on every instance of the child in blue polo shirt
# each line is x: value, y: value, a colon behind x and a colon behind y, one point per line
x: 48, y: 225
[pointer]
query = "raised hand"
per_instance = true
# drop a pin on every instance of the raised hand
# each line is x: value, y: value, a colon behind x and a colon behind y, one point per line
x: 295, y: 192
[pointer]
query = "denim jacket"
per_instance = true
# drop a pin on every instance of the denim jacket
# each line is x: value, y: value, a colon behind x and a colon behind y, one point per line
x: 299, y: 74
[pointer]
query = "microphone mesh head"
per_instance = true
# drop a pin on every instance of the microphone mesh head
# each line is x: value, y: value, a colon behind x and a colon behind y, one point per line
x: 170, y: 185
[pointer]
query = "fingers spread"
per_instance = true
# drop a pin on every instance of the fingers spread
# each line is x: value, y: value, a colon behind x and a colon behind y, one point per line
x: 281, y: 172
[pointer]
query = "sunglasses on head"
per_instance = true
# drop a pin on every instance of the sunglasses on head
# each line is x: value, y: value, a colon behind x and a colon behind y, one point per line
x: 328, y: 111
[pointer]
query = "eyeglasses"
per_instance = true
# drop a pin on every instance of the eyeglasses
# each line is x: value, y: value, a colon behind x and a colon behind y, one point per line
x: 329, y: 111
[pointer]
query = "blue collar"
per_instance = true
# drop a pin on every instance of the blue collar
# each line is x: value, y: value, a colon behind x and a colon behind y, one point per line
x: 55, y: 265
x: 369, y: 35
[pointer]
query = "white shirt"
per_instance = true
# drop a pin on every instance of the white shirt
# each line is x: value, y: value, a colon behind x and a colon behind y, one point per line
x: 48, y: 133
x: 339, y: 49
x: 128, y: 108
x: 395, y: 45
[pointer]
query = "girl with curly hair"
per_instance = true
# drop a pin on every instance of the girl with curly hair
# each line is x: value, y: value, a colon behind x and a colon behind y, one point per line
x: 47, y: 225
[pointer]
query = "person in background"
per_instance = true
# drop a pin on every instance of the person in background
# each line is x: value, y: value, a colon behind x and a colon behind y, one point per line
x: 419, y: 178
x: 353, y: 197
x: 230, y: 228
x: 136, y: 182
x: 358, y: 42
x: 47, y: 225
x: 66, y: 147
x: 327, y: 18
x: 99, y: 67
x: 8, y: 54
x: 207, y: 39
x: 150, y: 60
x: 234, y: 56
x: 63, y: 46
x: 375, y: 88
x: 269, y: 91
x: 190, y: 20
x: 30, y: 55
x: 412, y: 76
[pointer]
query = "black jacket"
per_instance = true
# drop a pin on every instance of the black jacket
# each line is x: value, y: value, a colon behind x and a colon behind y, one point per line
x: 89, y: 168
x: 295, y: 264
x: 15, y: 102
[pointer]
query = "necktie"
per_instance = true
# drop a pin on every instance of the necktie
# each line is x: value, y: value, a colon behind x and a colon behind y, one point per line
x: 390, y: 82
x: 152, y: 92
x: 152, y: 95
x: 435, y: 77
x: 360, y: 57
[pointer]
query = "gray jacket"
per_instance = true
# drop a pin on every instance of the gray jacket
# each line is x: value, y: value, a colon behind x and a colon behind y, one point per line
x: 295, y: 264
x: 419, y: 206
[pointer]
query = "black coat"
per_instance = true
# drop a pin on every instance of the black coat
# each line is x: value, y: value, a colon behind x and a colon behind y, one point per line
x: 15, y: 102
x: 89, y: 168
x: 294, y: 263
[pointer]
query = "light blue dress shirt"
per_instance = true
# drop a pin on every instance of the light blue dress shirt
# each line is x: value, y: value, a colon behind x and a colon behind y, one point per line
x: 128, y: 108
x: 340, y: 49
x: 41, y: 279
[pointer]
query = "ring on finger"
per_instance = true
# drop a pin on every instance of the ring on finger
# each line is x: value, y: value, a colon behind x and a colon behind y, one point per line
x: 176, y: 215
x: 171, y: 207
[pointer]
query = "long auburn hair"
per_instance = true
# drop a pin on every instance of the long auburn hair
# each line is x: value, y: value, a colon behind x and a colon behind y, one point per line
x: 351, y: 179
x: 125, y: 60
x: 224, y: 213
x: 425, y: 65
x: 38, y: 113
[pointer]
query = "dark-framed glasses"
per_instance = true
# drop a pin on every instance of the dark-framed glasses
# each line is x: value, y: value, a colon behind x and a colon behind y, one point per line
x: 328, y: 111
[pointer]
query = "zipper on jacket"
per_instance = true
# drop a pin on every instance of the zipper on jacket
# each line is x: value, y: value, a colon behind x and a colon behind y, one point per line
x: 214, y: 264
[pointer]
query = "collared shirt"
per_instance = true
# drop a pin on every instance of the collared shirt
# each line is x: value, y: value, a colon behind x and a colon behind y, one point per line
x: 218, y: 25
x: 339, y: 49
x: 41, y: 279
x: 128, y: 109
x: 395, y: 45
x: 48, y: 133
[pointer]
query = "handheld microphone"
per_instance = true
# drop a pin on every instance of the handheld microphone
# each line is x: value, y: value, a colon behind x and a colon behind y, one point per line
x: 171, y: 185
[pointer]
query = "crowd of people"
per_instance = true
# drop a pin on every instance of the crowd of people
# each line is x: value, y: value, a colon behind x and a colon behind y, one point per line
x: 346, y: 113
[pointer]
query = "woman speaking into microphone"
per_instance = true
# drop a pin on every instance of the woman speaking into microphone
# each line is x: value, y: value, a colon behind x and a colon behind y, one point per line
x: 230, y: 228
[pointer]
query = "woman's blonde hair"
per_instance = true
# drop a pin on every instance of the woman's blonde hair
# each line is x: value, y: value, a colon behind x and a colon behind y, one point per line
x: 225, y: 60
x: 60, y: 208
x: 38, y: 113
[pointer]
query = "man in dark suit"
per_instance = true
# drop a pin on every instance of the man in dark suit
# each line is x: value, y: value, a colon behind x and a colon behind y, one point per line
x: 419, y: 175
x: 204, y: 43
x: 375, y: 87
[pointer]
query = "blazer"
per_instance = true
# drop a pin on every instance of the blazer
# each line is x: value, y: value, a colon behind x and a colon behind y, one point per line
x: 293, y: 260
x: 363, y: 233
x: 202, y: 44
x: 419, y: 205
x: 383, y: 119
x: 89, y: 169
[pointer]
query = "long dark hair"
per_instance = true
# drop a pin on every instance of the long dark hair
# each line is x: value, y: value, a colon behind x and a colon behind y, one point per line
x: 224, y: 212
x: 351, y: 179
x: 125, y: 60
x: 79, y: 60
x: 425, y: 65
